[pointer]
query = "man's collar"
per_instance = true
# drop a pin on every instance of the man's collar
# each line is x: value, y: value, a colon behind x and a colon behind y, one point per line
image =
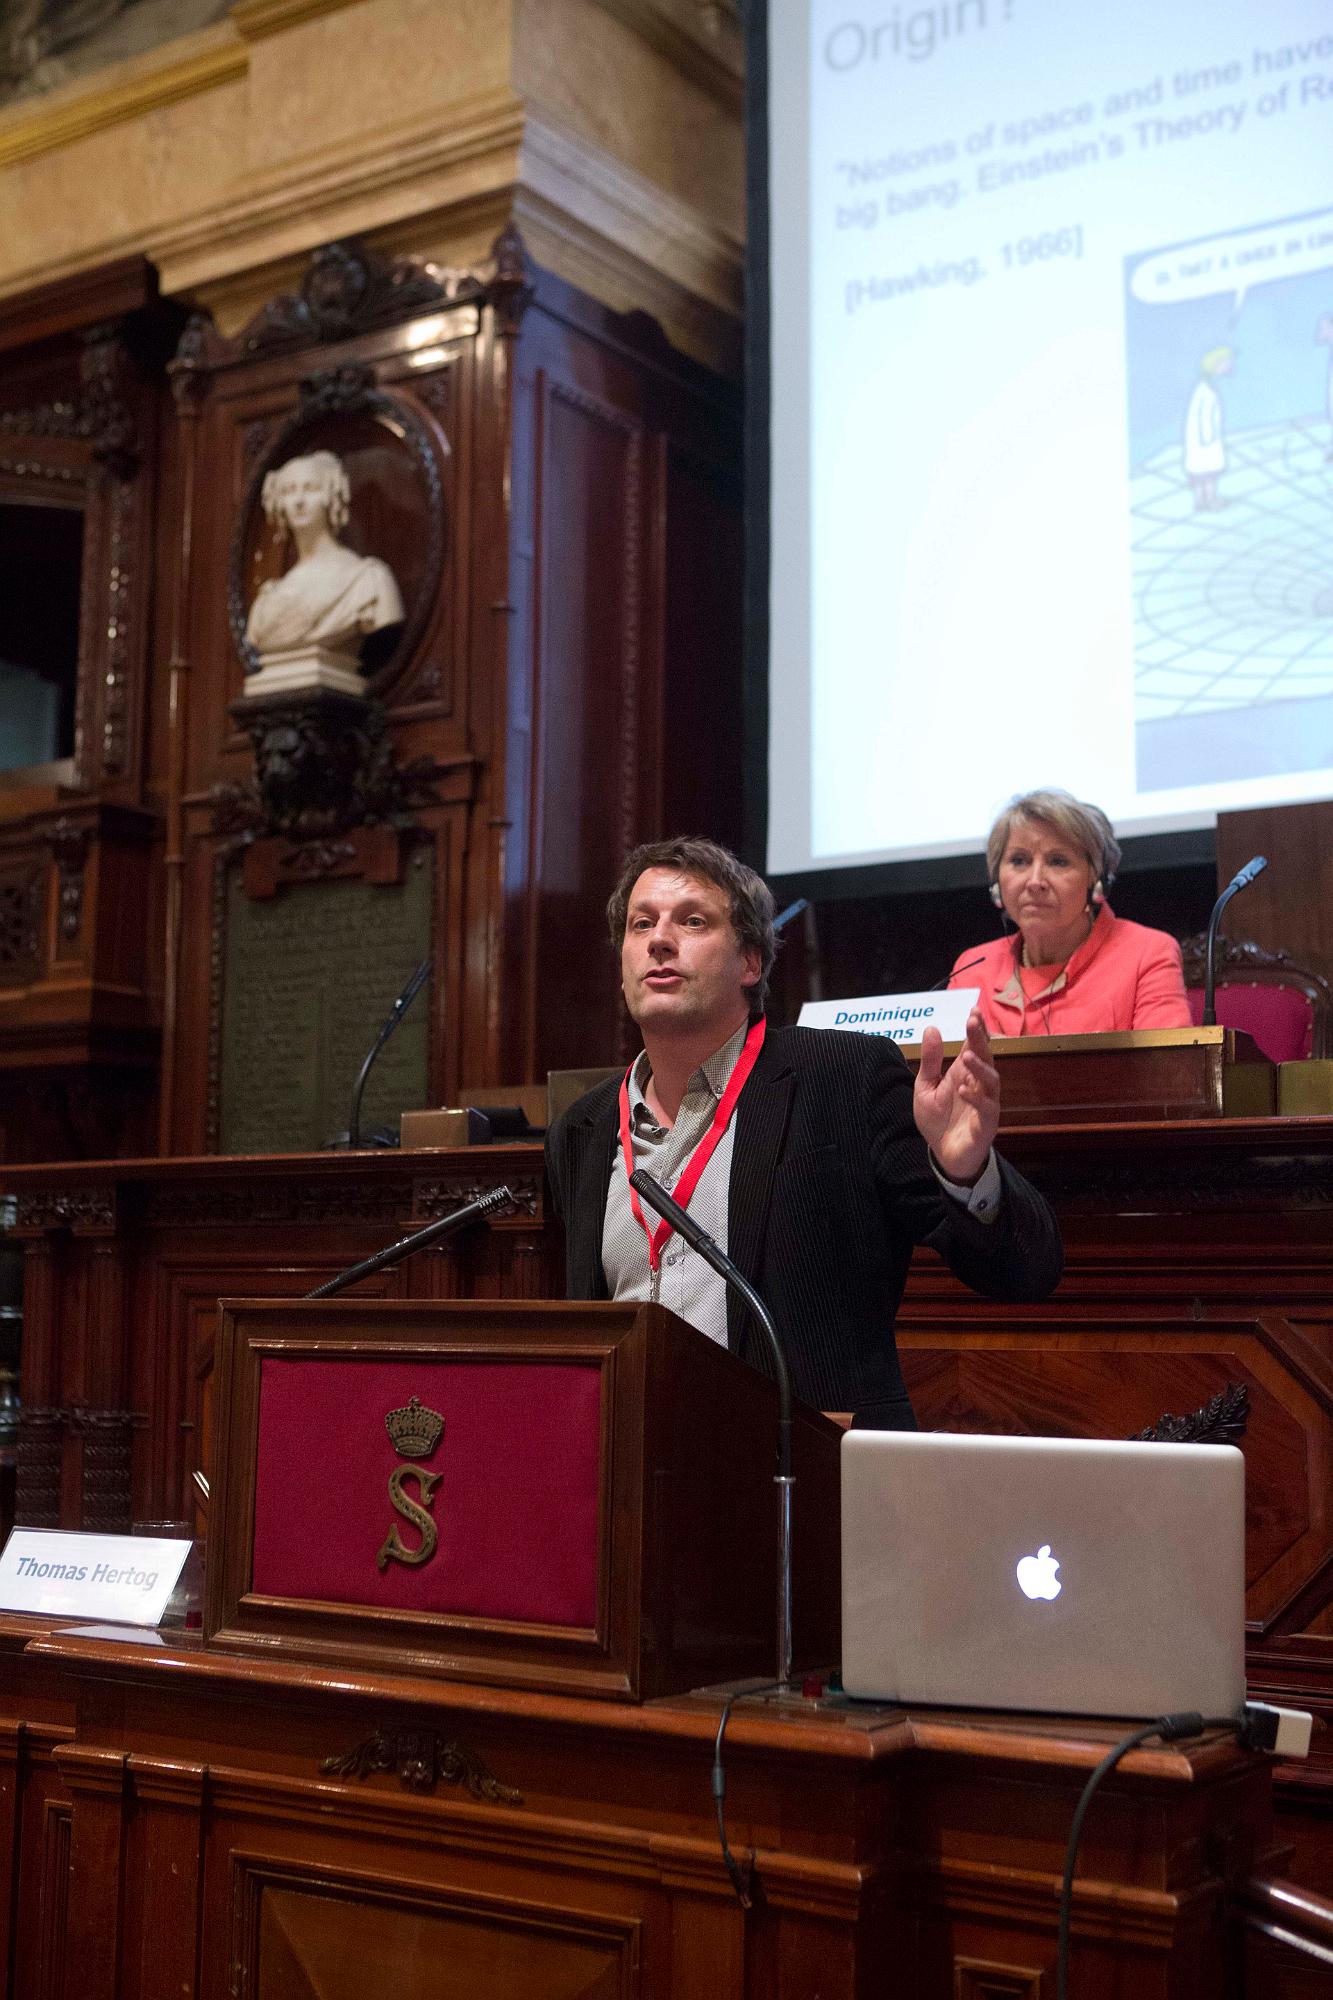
x: 711, y: 1075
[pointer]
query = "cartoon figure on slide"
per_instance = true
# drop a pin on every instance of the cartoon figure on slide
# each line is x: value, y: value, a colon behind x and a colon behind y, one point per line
x: 1205, y: 449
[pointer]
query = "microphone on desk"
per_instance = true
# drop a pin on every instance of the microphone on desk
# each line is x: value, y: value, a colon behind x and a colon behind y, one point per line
x: 698, y: 1239
x: 940, y: 983
x: 1240, y: 880
x: 434, y: 1232
x: 381, y: 1135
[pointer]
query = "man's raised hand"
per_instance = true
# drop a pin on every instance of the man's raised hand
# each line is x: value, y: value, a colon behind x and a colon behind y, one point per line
x: 957, y: 1111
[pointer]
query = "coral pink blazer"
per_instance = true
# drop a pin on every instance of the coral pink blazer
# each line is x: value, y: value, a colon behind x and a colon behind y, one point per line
x: 1123, y: 976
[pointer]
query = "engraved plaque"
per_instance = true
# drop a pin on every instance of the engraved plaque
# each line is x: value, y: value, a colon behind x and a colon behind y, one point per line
x: 308, y: 978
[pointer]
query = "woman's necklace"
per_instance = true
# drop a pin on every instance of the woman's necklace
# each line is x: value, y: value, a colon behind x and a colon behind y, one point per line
x: 1044, y: 1005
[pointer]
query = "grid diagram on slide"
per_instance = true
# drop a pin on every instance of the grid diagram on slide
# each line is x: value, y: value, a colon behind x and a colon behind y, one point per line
x: 1233, y: 607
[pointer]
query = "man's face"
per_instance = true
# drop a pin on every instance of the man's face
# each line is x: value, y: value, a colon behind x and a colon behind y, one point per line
x: 681, y: 968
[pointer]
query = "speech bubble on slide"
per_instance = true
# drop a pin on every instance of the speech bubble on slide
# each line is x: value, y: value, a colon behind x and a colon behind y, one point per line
x: 1231, y: 264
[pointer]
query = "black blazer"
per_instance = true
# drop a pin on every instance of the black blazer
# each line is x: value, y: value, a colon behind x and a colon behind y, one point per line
x: 830, y: 1190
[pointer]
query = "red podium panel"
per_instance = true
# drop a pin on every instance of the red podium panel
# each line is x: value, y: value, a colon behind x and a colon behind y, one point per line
x: 568, y: 1497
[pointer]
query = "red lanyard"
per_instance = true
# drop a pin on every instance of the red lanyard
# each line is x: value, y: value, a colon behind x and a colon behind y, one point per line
x: 703, y: 1152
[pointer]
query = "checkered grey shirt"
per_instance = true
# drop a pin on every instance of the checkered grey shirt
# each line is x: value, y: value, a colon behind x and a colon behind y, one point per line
x: 682, y: 1280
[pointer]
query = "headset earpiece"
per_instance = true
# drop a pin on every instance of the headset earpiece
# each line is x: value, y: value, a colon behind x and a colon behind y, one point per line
x: 995, y: 896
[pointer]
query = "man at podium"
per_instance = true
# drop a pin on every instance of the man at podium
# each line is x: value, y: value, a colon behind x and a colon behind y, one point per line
x: 807, y: 1155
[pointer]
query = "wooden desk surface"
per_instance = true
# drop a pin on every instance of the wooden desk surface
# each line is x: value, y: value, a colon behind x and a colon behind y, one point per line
x: 174, y: 1828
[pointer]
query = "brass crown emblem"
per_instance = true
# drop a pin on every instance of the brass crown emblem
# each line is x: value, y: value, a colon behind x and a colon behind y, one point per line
x: 414, y: 1429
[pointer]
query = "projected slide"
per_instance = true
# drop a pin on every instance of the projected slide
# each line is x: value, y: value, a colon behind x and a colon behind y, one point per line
x: 1232, y: 523
x: 1052, y: 428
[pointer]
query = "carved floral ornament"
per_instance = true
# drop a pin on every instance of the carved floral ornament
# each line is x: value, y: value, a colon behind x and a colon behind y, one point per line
x: 101, y: 417
x: 350, y: 289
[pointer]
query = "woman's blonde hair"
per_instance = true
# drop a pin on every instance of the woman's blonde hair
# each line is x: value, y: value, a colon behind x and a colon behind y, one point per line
x: 1084, y: 826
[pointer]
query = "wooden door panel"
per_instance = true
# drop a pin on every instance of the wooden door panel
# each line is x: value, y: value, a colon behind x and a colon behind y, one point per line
x: 309, y: 1935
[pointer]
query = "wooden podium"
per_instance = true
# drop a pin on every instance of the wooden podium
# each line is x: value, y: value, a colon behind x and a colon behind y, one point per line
x: 1143, y: 1073
x: 574, y: 1498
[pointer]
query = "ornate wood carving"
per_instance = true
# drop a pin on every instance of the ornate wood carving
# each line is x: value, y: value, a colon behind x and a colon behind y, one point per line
x: 440, y: 1197
x: 261, y: 1200
x: 83, y: 1209
x: 37, y: 1485
x: 421, y: 1758
x: 101, y: 417
x: 1221, y: 1420
x: 118, y: 610
x: 21, y: 904
x: 69, y: 843
x: 106, y: 1437
x: 324, y: 764
x: 187, y: 368
x: 106, y: 415
x: 349, y: 289
x: 1236, y: 954
x: 106, y: 473
x: 511, y: 287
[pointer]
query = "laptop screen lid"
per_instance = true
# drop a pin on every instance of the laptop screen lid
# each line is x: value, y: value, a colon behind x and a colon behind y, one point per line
x: 1062, y: 1575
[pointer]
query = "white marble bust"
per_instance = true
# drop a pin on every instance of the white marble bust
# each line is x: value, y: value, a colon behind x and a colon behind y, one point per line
x: 330, y: 597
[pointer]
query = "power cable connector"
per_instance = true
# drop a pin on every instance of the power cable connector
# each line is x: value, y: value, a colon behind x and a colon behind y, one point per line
x: 1283, y: 1732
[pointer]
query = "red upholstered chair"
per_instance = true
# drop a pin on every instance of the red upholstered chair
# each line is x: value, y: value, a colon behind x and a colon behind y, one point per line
x: 1287, y: 1009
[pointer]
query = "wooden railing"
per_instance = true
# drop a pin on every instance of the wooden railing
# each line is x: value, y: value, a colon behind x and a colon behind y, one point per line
x: 1288, y: 1940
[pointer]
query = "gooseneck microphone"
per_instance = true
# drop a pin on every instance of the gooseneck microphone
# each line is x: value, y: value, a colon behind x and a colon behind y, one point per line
x: 792, y: 911
x: 941, y: 983
x: 698, y: 1239
x: 434, y: 1232
x: 380, y: 1136
x: 1240, y: 880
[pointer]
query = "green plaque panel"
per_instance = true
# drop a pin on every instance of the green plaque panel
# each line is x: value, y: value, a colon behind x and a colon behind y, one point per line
x: 308, y: 977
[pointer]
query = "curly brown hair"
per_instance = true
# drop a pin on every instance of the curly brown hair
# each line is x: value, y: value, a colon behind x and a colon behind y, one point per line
x: 750, y: 897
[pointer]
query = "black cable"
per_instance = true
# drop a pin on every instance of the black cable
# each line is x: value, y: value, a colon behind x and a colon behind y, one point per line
x: 740, y: 1875
x: 1171, y: 1729
x: 741, y: 1872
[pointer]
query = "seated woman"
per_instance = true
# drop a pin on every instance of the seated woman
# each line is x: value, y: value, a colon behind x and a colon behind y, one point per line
x: 1071, y: 967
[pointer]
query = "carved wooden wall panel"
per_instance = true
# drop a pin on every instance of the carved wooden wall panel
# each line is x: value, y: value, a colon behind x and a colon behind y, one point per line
x: 311, y: 1934
x: 584, y: 533
x: 35, y: 1824
x: 1290, y: 907
x: 81, y: 391
x: 624, y: 682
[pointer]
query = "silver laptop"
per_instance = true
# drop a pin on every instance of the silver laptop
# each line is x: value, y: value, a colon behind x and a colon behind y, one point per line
x: 1055, y: 1574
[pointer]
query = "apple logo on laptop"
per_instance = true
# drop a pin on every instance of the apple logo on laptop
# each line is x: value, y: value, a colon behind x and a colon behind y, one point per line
x: 1036, y: 1574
